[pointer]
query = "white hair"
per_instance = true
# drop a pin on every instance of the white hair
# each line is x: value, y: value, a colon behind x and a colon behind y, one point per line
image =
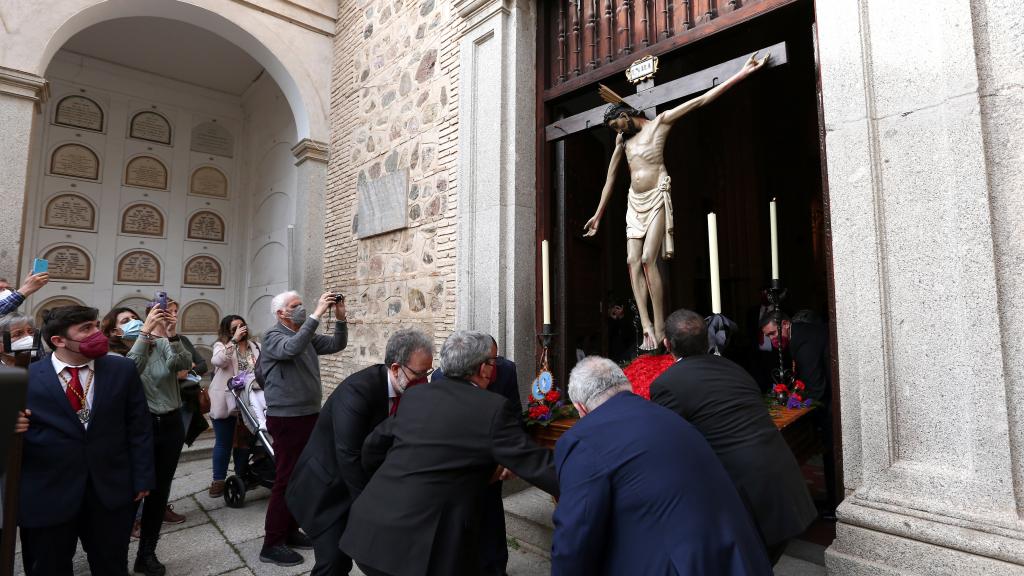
x: 281, y: 300
x: 594, y: 380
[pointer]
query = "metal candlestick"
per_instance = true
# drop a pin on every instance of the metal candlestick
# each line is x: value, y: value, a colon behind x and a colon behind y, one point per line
x: 776, y: 294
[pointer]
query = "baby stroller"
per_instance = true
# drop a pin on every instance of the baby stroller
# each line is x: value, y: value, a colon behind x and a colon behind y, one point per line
x: 258, y: 469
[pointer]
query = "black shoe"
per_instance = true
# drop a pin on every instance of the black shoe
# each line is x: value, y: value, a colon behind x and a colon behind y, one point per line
x: 280, y: 555
x: 149, y: 566
x: 298, y: 541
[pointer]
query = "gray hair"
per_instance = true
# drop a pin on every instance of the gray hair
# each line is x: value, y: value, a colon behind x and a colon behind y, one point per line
x: 14, y: 319
x: 594, y: 380
x: 281, y: 300
x: 463, y: 353
x: 403, y: 343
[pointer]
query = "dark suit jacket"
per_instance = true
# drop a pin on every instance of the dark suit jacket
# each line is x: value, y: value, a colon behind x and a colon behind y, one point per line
x: 724, y: 403
x: 642, y: 493
x: 61, y: 457
x: 419, y: 514
x: 329, y: 474
x: 506, y: 384
x: 808, y: 344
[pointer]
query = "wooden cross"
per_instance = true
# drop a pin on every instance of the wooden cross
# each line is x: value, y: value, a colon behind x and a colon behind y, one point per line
x: 649, y: 96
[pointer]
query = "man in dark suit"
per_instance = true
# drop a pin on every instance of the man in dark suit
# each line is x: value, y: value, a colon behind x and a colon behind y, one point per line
x: 641, y: 491
x: 493, y: 539
x: 725, y: 404
x: 329, y: 475
x: 420, y: 513
x: 88, y: 452
x: 807, y: 342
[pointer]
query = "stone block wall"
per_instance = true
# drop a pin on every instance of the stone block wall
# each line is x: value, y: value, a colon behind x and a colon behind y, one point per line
x: 394, y: 106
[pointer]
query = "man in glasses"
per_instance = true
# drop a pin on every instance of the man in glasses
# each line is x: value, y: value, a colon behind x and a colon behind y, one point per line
x: 329, y: 474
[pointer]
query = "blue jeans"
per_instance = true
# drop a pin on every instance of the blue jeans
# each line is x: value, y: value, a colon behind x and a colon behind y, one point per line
x: 224, y: 434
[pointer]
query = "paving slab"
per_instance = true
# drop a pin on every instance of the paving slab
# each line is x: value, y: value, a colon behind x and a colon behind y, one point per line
x: 197, y: 551
x: 194, y: 515
x: 191, y: 478
x: 250, y: 552
x: 790, y: 566
x: 240, y: 525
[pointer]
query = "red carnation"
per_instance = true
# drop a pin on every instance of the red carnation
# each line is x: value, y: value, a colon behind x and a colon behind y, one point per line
x: 779, y: 388
x: 553, y: 396
x: 799, y: 385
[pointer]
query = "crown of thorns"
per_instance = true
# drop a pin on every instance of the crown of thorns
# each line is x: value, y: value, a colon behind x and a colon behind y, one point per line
x: 618, y: 104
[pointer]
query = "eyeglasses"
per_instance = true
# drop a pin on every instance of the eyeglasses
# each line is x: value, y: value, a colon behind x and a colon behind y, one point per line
x: 424, y: 374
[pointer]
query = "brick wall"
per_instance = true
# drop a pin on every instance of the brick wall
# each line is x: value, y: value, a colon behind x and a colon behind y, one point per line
x: 394, y: 105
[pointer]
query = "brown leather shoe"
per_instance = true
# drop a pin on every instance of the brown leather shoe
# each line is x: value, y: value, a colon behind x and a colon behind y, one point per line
x: 170, y: 517
x: 216, y: 489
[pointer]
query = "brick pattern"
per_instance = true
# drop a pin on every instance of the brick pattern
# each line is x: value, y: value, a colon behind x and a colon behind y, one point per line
x: 394, y: 105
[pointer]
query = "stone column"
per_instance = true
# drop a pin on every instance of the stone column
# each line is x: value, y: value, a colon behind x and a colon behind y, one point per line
x: 497, y: 244
x: 924, y: 120
x: 21, y: 94
x: 306, y: 272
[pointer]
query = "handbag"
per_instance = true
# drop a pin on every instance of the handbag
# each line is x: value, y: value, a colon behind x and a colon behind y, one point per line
x: 204, y: 401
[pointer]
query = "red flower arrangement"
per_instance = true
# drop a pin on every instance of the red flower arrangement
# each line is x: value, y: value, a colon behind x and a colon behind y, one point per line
x: 783, y: 395
x: 642, y: 371
x: 549, y: 408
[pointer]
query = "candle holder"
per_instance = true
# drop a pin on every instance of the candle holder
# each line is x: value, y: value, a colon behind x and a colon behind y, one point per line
x: 546, y: 335
x: 776, y: 294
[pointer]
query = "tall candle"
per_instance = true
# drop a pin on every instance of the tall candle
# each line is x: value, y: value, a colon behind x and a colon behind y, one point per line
x: 716, y: 283
x: 546, y: 283
x: 775, y: 240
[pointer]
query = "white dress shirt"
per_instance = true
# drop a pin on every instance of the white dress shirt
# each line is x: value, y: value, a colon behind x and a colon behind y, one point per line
x: 64, y: 377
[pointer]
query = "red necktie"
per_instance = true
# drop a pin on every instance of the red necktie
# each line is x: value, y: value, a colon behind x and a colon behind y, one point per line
x: 74, y: 391
x: 394, y: 405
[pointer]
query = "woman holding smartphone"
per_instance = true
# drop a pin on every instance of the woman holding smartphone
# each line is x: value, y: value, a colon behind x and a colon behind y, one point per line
x: 159, y: 355
x: 233, y: 354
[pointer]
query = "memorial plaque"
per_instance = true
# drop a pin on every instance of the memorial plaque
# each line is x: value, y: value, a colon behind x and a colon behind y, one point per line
x: 71, y: 212
x: 68, y: 262
x: 152, y: 127
x: 199, y: 318
x: 202, y: 271
x: 76, y: 161
x: 209, y: 181
x: 79, y: 112
x: 206, y: 225
x: 383, y: 204
x: 138, y: 267
x: 146, y: 172
x: 212, y: 138
x: 55, y: 303
x: 144, y: 219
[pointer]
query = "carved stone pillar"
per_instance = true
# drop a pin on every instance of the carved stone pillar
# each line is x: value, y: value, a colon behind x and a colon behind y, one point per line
x: 21, y: 95
x: 497, y: 212
x: 306, y: 273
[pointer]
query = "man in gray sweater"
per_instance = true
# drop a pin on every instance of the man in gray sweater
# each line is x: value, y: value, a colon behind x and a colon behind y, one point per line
x: 289, y: 364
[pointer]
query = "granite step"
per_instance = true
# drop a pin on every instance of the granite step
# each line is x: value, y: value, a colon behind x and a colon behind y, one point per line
x: 201, y: 449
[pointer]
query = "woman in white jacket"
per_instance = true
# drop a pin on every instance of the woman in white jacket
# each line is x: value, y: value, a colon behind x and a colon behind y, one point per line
x: 233, y: 354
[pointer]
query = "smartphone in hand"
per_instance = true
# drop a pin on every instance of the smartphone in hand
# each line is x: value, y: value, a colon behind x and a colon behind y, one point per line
x: 40, y: 265
x: 161, y: 300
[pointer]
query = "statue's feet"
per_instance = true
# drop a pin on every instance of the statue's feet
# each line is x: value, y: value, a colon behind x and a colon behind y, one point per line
x: 649, y: 343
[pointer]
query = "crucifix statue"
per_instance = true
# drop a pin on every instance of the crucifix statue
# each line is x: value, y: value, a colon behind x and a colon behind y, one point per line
x: 649, y: 214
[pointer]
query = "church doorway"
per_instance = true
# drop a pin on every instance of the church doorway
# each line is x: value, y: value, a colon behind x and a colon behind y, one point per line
x: 760, y: 141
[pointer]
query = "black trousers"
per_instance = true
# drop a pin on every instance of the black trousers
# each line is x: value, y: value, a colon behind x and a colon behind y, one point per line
x: 493, y: 542
x: 330, y: 560
x: 168, y: 437
x: 50, y: 551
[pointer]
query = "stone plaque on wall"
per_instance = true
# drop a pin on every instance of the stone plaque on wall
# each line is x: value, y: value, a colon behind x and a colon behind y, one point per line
x: 212, y: 138
x: 150, y: 126
x: 142, y: 219
x: 383, y: 204
x: 206, y: 225
x: 68, y: 262
x: 199, y: 318
x: 79, y: 112
x: 138, y: 267
x: 146, y: 172
x: 209, y: 181
x: 54, y: 303
x: 71, y: 212
x: 76, y: 161
x: 203, y: 271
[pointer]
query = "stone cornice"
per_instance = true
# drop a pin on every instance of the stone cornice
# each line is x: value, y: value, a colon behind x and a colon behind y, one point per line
x: 24, y: 85
x: 469, y: 8
x: 308, y: 149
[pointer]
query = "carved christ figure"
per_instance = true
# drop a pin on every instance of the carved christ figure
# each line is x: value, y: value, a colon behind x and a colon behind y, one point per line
x: 649, y: 213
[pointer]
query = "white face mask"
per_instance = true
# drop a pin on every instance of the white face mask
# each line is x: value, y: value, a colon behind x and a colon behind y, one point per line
x: 23, y: 343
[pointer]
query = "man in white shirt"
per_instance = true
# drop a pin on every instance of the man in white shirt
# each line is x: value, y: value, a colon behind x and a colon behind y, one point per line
x: 88, y: 452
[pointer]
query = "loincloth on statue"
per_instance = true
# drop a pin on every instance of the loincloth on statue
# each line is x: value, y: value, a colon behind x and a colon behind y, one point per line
x: 644, y: 207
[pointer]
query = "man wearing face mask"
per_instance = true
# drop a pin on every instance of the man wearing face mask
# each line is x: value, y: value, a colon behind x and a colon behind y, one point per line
x: 329, y: 475
x: 290, y: 368
x: 88, y: 452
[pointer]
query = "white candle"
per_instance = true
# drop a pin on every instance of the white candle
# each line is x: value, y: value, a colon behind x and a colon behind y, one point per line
x: 716, y: 283
x: 546, y: 283
x: 775, y: 240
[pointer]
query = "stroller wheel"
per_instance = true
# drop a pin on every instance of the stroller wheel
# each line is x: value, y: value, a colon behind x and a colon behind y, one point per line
x: 234, y: 492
